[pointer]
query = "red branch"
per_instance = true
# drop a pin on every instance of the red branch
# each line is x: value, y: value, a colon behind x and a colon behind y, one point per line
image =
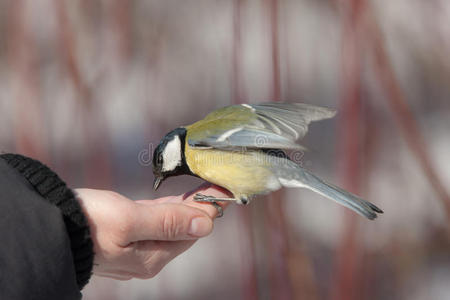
x: 278, y: 235
x: 345, y: 273
x: 403, y: 114
x: 97, y: 166
x: 236, y: 80
x: 29, y: 132
x: 250, y: 284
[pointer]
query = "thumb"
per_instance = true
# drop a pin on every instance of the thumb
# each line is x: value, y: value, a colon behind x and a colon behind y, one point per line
x: 169, y: 222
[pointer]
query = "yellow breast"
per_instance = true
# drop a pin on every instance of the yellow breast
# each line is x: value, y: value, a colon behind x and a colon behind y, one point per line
x: 242, y: 173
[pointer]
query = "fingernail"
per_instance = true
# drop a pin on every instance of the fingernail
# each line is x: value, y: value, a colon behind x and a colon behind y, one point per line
x: 200, y: 226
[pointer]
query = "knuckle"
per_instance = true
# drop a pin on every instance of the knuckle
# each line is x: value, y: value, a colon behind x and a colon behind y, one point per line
x: 170, y: 225
x: 125, y: 278
x: 148, y: 270
x: 151, y: 262
x: 151, y: 271
x: 147, y: 260
x: 146, y: 275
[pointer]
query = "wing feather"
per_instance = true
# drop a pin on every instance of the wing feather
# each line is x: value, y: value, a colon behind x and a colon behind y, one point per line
x: 265, y: 125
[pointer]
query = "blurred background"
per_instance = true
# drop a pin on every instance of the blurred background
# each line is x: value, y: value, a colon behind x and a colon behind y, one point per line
x: 89, y: 87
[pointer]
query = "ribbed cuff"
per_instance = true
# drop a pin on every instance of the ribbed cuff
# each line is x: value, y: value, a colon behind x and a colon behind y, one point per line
x: 54, y: 190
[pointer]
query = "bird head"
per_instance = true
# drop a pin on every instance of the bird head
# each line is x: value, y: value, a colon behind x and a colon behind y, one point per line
x: 168, y: 157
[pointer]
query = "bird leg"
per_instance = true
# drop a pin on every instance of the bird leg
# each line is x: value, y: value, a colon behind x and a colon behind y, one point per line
x: 205, y: 198
x: 213, y: 200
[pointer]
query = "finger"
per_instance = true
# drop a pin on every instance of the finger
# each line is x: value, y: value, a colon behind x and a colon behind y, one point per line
x: 151, y: 260
x: 210, y: 190
x: 187, y: 198
x: 168, y: 222
x: 117, y: 275
x: 168, y: 199
x: 206, y: 188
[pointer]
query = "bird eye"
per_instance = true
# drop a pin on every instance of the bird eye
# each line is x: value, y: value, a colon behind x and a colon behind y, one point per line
x: 160, y: 159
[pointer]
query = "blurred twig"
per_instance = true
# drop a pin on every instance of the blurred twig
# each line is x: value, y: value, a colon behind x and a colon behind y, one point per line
x: 274, y: 24
x: 250, y: 288
x: 402, y: 112
x: 29, y: 126
x: 346, y: 280
x: 97, y: 164
x: 67, y: 44
x: 278, y: 228
x: 120, y: 27
x: 238, y: 90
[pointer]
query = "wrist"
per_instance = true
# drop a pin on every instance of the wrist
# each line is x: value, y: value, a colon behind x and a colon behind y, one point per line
x: 52, y: 189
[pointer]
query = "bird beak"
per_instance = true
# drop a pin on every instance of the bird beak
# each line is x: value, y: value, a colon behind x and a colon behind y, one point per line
x: 157, y: 182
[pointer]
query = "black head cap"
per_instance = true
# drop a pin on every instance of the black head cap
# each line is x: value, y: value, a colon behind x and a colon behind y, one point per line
x: 168, y: 157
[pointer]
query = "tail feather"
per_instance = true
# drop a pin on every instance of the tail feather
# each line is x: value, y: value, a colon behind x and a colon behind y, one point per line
x: 304, y: 178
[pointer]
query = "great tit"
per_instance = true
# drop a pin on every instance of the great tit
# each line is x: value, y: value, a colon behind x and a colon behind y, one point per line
x: 241, y: 148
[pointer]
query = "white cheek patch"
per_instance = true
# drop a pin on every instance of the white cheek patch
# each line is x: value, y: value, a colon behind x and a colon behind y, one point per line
x: 172, y: 154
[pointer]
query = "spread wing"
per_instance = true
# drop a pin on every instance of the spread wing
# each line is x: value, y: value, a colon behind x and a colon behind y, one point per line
x: 265, y: 125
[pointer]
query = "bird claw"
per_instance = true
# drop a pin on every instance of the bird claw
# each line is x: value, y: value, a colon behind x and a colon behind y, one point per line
x: 209, y: 199
x: 219, y: 209
x: 203, y: 198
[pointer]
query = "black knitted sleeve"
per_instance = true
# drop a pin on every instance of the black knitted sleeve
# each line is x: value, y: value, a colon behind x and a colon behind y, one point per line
x: 54, y: 190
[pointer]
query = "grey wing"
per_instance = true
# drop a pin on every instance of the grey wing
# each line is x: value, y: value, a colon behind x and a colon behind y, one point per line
x: 289, y: 120
x: 269, y: 125
x: 245, y: 138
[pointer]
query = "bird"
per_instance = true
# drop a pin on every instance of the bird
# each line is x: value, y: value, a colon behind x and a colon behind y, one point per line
x: 242, y: 148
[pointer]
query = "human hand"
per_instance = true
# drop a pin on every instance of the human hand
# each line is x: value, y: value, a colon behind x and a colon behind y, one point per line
x: 138, y: 238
